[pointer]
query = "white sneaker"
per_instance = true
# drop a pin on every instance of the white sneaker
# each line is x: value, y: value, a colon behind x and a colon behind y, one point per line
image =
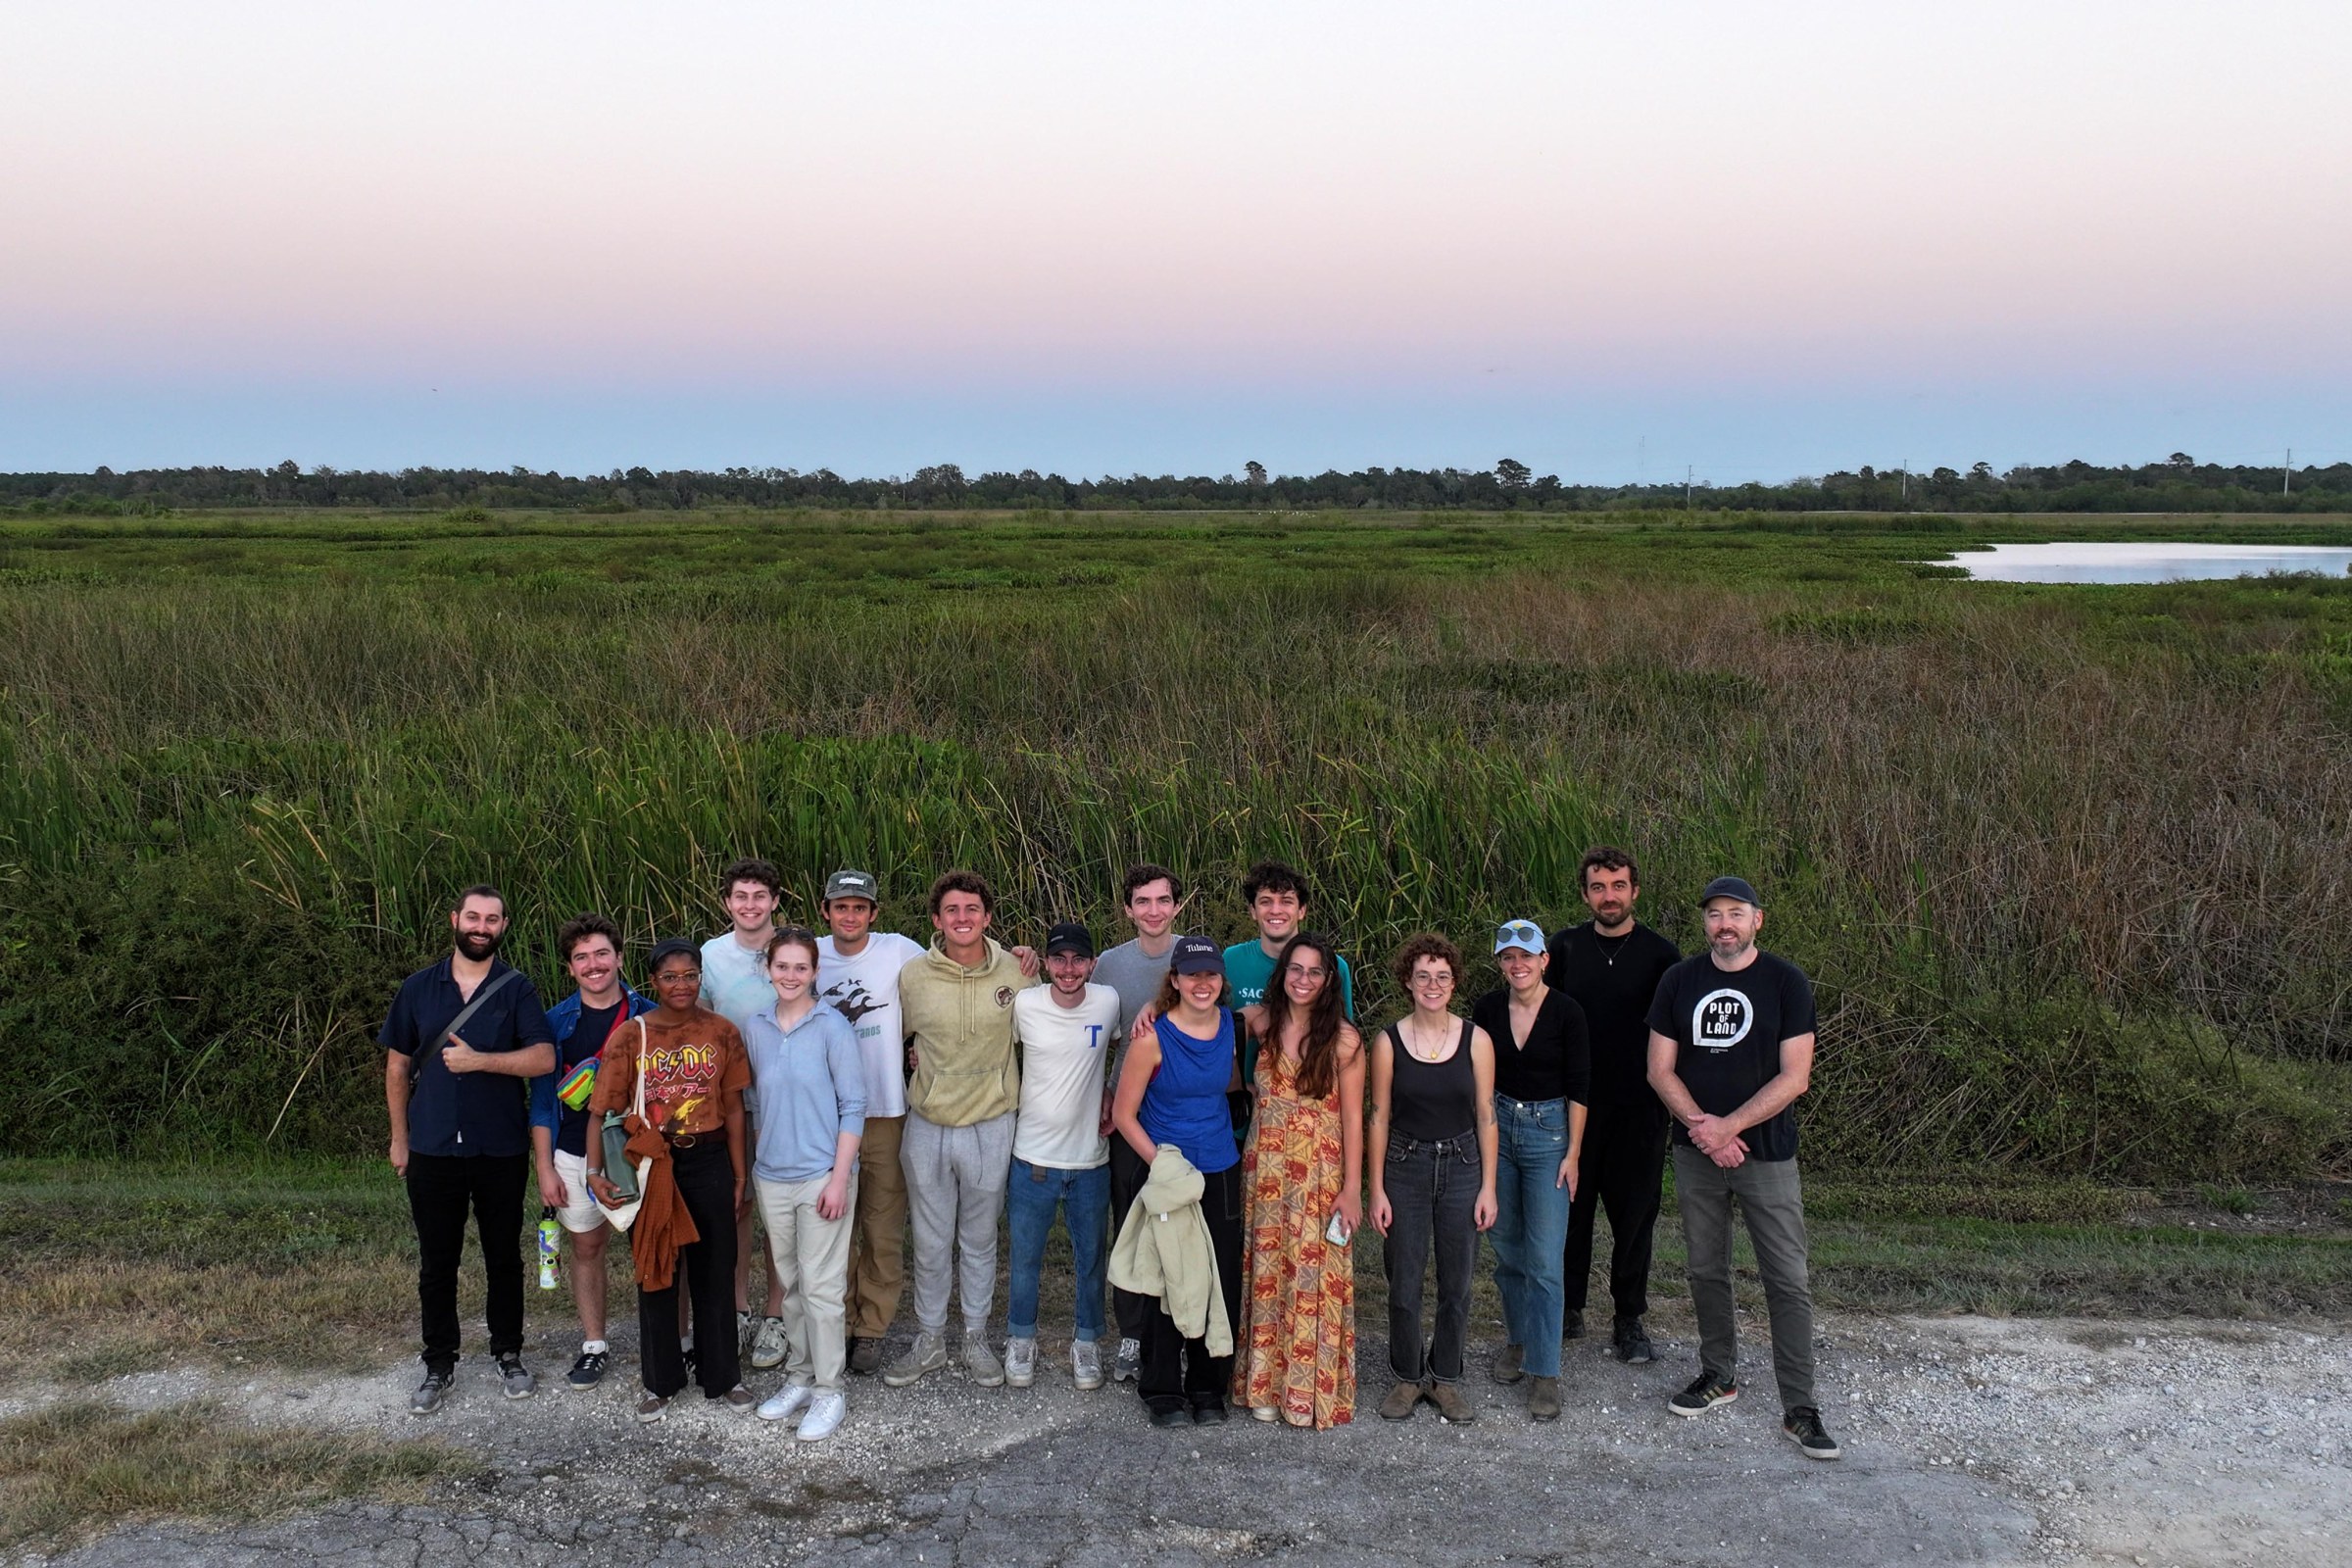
x: 823, y: 1417
x: 1021, y: 1362
x: 768, y: 1348
x: 790, y: 1400
x: 1086, y: 1366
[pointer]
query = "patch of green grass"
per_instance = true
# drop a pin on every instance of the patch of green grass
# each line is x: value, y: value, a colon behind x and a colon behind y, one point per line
x: 70, y: 1470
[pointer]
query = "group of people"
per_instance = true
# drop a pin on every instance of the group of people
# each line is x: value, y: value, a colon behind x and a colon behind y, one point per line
x: 1202, y: 1120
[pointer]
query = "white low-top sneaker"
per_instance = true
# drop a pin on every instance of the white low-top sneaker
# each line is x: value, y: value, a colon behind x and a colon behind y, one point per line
x: 790, y: 1400
x: 1021, y: 1362
x: 823, y: 1418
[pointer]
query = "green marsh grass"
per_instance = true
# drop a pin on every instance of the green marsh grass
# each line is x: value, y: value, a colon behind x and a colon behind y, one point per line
x: 2053, y: 857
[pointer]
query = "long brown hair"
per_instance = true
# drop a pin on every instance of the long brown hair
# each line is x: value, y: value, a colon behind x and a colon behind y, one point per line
x: 1319, y: 1053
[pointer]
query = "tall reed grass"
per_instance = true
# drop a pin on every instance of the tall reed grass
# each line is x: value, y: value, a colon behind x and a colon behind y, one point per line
x: 2065, y: 897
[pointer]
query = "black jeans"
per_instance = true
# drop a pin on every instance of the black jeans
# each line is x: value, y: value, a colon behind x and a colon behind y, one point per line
x: 705, y: 1271
x: 1432, y: 1194
x: 1177, y: 1371
x: 1622, y: 1169
x: 1128, y: 1173
x: 443, y: 1189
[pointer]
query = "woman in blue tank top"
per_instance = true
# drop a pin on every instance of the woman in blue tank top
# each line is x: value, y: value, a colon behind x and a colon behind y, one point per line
x: 1172, y: 1092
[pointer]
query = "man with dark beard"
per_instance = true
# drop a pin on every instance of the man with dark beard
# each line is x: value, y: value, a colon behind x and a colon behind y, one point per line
x: 1612, y: 964
x: 461, y: 1043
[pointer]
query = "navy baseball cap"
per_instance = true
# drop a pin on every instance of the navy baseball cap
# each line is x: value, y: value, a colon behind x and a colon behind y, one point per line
x: 1196, y: 956
x: 1730, y: 887
x: 1069, y: 937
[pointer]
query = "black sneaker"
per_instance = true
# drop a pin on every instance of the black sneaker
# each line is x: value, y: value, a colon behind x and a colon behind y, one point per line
x: 1572, y: 1324
x: 1802, y: 1427
x: 1632, y: 1343
x: 589, y: 1370
x: 1706, y: 1392
x: 1171, y: 1413
x: 430, y: 1392
x: 1208, y: 1410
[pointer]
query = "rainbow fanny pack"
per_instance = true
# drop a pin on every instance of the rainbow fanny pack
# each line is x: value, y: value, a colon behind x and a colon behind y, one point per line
x: 578, y: 1084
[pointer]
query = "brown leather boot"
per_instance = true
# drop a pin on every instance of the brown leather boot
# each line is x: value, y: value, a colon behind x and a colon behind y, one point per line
x: 1447, y: 1398
x: 1508, y: 1366
x: 1402, y: 1397
x: 1543, y: 1400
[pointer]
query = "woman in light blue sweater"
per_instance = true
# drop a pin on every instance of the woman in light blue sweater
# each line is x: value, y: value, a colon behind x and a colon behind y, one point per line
x: 808, y: 1085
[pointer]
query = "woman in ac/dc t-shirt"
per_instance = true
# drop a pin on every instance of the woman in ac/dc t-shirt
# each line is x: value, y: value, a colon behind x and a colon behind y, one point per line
x: 695, y: 1073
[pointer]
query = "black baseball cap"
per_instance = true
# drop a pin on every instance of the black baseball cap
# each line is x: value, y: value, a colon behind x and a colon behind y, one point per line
x: 1196, y: 955
x: 1069, y: 937
x: 1730, y: 887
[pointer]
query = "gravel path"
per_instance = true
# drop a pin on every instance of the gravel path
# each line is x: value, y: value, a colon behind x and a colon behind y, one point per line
x: 1968, y: 1441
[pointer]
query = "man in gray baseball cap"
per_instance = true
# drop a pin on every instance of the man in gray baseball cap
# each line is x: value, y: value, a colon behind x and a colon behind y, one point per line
x: 858, y: 976
x: 1731, y: 1049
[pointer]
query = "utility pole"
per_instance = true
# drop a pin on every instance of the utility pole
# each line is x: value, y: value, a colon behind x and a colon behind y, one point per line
x: 1689, y: 469
x: 2286, y: 479
x: 1906, y: 484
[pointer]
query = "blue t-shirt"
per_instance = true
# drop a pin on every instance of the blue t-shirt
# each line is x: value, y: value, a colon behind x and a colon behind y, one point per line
x: 1185, y: 1103
x: 484, y: 1113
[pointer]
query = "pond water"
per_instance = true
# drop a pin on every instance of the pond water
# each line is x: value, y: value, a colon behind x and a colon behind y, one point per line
x: 2146, y: 563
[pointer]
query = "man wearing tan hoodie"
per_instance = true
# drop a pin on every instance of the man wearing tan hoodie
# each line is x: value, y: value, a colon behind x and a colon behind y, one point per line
x: 957, y: 1151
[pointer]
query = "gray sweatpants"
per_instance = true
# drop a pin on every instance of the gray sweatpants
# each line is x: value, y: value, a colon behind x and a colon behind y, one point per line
x: 955, y: 1179
x: 1774, y: 1205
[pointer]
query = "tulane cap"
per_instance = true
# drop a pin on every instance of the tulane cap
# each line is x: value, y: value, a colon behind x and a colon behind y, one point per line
x: 1069, y: 937
x: 1519, y: 934
x: 1730, y: 887
x: 850, y: 885
x: 1196, y: 956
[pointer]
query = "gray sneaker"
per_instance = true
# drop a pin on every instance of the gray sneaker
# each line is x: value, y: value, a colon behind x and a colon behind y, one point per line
x: 1086, y: 1366
x: 516, y: 1377
x: 1020, y: 1362
x: 430, y: 1392
x: 1128, y: 1364
x: 768, y: 1348
x: 929, y: 1353
x: 982, y: 1363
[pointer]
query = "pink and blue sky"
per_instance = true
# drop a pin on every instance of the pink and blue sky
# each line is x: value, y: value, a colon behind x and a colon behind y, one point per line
x: 1616, y: 241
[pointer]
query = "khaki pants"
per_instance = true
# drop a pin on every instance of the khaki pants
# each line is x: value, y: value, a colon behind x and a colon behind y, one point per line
x: 812, y: 1257
x: 878, y: 1243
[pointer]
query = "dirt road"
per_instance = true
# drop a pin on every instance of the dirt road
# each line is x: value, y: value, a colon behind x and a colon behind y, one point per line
x: 1969, y: 1441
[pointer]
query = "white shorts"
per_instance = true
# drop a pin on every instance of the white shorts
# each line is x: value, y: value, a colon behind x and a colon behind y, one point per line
x: 581, y: 1213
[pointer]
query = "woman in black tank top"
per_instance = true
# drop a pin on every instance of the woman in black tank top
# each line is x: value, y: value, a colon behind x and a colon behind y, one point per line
x: 1433, y: 1142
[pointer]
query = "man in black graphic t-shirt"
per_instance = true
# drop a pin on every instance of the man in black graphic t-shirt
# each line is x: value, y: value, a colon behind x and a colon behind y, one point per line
x: 1731, y: 1049
x: 1612, y: 964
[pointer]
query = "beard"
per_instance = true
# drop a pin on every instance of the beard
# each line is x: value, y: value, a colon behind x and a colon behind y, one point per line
x: 479, y: 944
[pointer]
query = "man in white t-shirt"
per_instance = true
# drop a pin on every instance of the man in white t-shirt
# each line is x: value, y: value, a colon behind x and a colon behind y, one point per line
x: 735, y: 986
x: 1066, y: 1030
x: 858, y: 976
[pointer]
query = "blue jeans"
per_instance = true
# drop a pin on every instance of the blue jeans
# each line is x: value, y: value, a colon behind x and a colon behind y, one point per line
x: 1029, y: 1199
x: 1531, y: 1223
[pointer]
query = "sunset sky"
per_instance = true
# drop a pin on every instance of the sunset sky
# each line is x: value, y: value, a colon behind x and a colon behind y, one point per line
x: 1614, y: 241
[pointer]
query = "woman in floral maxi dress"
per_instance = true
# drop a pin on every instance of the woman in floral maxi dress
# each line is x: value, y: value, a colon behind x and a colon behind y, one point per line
x: 1301, y: 1175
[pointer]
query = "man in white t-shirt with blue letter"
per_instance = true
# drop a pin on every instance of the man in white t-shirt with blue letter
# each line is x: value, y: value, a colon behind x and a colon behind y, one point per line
x: 1066, y: 1030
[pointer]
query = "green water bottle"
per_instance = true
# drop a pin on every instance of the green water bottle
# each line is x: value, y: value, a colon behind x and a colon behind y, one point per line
x: 547, y: 1249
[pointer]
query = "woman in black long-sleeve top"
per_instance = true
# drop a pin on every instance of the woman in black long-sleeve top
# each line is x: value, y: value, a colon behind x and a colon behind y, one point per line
x: 1542, y: 1067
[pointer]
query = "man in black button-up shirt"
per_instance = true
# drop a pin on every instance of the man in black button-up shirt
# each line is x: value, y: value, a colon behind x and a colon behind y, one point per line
x: 460, y: 1111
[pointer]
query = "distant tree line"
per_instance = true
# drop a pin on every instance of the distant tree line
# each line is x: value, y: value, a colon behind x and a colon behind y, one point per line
x: 2179, y: 483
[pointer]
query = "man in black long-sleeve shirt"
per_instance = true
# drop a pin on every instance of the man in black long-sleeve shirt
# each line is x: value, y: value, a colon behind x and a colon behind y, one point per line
x: 1611, y: 965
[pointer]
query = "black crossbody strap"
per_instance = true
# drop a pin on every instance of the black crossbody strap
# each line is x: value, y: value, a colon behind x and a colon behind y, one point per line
x: 489, y: 988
